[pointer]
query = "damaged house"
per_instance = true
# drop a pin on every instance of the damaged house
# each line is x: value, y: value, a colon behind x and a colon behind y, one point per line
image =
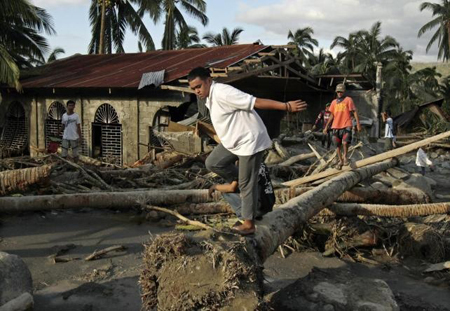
x: 125, y: 100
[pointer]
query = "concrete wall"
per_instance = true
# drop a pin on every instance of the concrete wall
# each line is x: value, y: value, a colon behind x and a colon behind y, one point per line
x: 135, y: 116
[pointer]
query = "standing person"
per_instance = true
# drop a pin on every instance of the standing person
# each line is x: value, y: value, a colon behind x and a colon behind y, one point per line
x: 321, y: 123
x: 342, y: 109
x: 422, y: 161
x: 243, y: 137
x: 72, y: 131
x: 389, y: 137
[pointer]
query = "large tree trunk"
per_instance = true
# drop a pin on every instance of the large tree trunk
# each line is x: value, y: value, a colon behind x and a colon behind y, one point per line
x: 364, y: 195
x: 353, y: 209
x: 371, y: 160
x: 229, y: 270
x: 20, y: 179
x: 104, y: 200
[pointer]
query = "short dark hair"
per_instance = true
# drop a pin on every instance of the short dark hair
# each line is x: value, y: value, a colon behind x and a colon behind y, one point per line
x: 70, y: 102
x: 388, y: 112
x: 199, y: 72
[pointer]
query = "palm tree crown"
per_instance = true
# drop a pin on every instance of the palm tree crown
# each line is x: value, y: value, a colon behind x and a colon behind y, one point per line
x: 304, y: 42
x: 173, y: 17
x: 119, y: 14
x: 224, y: 38
x: 20, y: 42
x: 441, y: 20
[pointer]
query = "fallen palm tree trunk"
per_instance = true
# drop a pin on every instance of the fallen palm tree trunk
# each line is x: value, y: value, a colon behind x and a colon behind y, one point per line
x: 389, y: 210
x: 20, y: 179
x: 230, y: 274
x: 104, y: 200
x: 363, y: 195
x: 371, y: 160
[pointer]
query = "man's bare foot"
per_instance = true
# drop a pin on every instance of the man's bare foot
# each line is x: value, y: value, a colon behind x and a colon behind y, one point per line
x: 247, y: 228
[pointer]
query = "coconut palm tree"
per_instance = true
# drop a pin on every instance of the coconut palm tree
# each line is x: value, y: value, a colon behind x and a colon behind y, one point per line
x: 119, y: 15
x: 350, y: 54
x: 20, y: 41
x: 187, y: 38
x: 224, y: 38
x: 173, y: 17
x: 54, y: 54
x: 373, y: 50
x: 322, y: 63
x: 441, y: 20
x: 304, y: 42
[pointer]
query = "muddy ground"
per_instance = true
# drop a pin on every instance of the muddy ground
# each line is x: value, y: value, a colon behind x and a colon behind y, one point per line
x: 111, y: 283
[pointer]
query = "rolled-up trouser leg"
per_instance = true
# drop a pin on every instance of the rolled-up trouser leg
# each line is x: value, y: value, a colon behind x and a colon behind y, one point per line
x: 64, y: 148
x: 222, y: 162
x: 248, y: 183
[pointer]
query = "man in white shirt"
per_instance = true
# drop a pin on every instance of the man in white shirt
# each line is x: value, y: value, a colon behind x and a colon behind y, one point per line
x: 243, y: 137
x: 389, y: 137
x: 72, y: 131
x: 422, y: 161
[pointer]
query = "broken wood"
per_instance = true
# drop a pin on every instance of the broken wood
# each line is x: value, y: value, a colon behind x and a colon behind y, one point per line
x: 245, y: 255
x: 20, y: 179
x: 368, y: 238
x: 370, y: 160
x: 297, y: 158
x: 100, y: 253
x: 208, y: 129
x: 317, y: 154
x: 353, y: 209
x: 282, y: 152
x: 179, y: 216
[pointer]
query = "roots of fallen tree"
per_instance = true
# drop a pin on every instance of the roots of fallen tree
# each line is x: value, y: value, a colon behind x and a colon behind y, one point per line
x: 184, y: 272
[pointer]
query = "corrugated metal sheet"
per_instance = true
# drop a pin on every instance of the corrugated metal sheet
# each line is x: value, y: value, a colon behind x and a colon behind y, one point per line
x: 156, y: 78
x: 126, y: 70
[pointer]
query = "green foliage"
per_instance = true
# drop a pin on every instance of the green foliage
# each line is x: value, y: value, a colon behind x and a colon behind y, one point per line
x: 20, y: 41
x: 441, y: 21
x: 304, y: 42
x: 119, y: 15
x: 224, y: 38
x: 173, y: 18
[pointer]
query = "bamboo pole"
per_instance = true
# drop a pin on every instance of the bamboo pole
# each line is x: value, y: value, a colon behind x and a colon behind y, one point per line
x: 371, y: 160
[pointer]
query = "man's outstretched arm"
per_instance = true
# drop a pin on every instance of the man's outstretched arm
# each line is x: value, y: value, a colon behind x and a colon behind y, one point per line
x: 291, y: 106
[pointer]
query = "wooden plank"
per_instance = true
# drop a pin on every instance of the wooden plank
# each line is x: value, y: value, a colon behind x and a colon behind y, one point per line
x: 208, y: 129
x: 177, y: 127
x: 378, y: 158
x: 218, y: 74
x: 318, y: 156
x: 254, y: 72
x: 177, y: 88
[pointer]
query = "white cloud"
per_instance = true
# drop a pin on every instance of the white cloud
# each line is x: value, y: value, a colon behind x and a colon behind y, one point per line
x: 59, y: 3
x: 400, y: 19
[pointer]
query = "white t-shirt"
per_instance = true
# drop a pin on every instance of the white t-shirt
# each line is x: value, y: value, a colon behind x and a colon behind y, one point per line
x: 388, y: 128
x: 237, y: 124
x: 71, y: 123
x: 422, y: 159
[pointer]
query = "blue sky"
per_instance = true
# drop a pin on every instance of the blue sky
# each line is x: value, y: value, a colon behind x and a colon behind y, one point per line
x: 267, y: 20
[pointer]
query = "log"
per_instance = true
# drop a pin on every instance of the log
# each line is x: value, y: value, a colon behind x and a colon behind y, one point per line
x: 364, y: 195
x: 104, y: 200
x: 297, y: 158
x: 232, y: 266
x: 390, y: 210
x: 370, y: 160
x: 282, y: 152
x: 20, y: 179
x: 23, y: 302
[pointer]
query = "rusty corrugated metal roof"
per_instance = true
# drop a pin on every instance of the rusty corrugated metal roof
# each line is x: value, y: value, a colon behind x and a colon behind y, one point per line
x: 125, y: 70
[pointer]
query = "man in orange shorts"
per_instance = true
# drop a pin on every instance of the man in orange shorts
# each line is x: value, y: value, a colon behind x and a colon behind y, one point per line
x: 341, y: 110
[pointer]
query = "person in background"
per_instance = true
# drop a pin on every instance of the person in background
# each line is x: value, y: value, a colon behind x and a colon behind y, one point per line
x: 321, y: 122
x: 342, y: 109
x: 71, y: 131
x: 389, y: 137
x: 422, y: 161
